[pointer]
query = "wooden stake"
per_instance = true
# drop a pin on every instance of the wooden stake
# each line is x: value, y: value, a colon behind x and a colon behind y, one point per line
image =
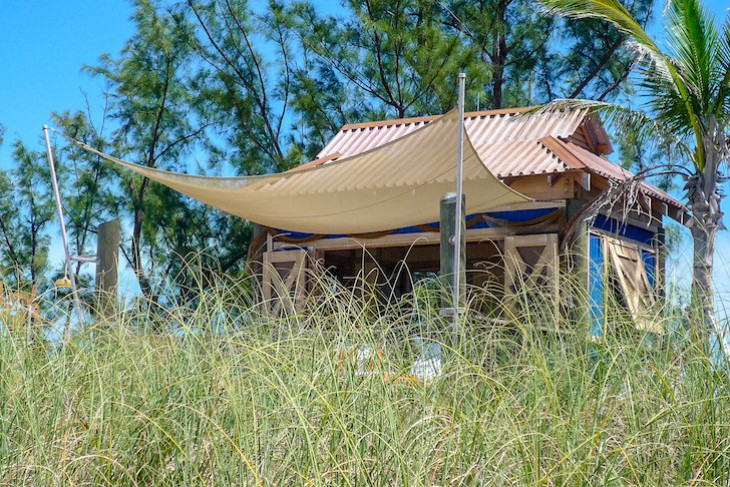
x: 107, y: 267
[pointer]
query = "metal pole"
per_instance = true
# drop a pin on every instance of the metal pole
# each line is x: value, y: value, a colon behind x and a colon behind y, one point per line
x: 64, y: 236
x: 459, y: 193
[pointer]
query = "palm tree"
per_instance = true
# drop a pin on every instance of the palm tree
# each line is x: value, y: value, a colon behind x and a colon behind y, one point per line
x: 686, y: 88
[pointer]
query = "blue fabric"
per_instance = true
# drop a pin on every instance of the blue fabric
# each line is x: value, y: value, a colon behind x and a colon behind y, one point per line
x: 630, y: 232
x: 511, y: 216
x: 649, y: 259
x: 521, y: 215
x: 596, y: 286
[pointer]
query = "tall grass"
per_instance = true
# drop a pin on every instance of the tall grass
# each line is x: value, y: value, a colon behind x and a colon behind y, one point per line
x: 245, y: 399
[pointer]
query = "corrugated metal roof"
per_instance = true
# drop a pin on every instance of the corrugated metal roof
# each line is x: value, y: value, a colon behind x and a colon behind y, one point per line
x: 603, y: 167
x: 520, y: 158
x: 317, y: 162
x: 510, y: 145
x: 483, y: 128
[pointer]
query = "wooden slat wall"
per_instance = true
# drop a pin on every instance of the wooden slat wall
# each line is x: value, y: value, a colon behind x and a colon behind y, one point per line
x: 284, y: 279
x: 628, y: 267
x: 522, y: 278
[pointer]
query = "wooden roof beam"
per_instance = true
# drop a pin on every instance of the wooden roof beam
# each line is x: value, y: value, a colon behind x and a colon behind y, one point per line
x: 582, y: 178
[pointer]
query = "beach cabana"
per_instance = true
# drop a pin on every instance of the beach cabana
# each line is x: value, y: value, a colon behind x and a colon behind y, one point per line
x: 369, y: 207
x: 557, y: 161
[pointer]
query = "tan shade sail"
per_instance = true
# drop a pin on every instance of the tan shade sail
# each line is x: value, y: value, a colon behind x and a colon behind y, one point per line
x: 392, y: 186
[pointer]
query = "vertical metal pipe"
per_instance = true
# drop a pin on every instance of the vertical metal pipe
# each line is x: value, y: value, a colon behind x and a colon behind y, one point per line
x: 64, y: 236
x: 459, y: 192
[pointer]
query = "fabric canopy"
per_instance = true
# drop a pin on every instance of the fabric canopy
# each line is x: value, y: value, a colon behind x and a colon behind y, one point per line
x: 392, y: 186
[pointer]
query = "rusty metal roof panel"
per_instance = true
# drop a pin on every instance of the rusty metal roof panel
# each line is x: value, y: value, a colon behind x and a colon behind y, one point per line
x: 508, y: 144
x: 603, y: 167
x: 483, y: 128
x: 519, y: 158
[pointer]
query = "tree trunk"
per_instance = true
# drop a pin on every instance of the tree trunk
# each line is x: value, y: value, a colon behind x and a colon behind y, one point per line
x: 499, y: 55
x: 497, y: 82
x: 704, y: 201
x: 498, y: 68
x: 137, y: 264
x: 703, y: 305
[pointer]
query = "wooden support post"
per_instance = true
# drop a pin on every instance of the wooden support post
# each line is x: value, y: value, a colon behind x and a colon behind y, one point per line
x: 660, y: 267
x: 107, y: 266
x: 447, y: 230
x: 580, y: 269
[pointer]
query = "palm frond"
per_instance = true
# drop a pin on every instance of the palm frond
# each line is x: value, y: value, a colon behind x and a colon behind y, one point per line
x: 612, y: 11
x: 648, y: 59
x: 694, y: 45
x: 722, y: 103
x: 666, y: 104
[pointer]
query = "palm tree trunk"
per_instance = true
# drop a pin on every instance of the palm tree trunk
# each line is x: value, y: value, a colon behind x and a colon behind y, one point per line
x: 703, y: 305
x: 704, y: 199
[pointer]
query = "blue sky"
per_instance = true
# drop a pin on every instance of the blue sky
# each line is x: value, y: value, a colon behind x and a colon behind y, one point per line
x: 42, y: 50
x: 45, y: 44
